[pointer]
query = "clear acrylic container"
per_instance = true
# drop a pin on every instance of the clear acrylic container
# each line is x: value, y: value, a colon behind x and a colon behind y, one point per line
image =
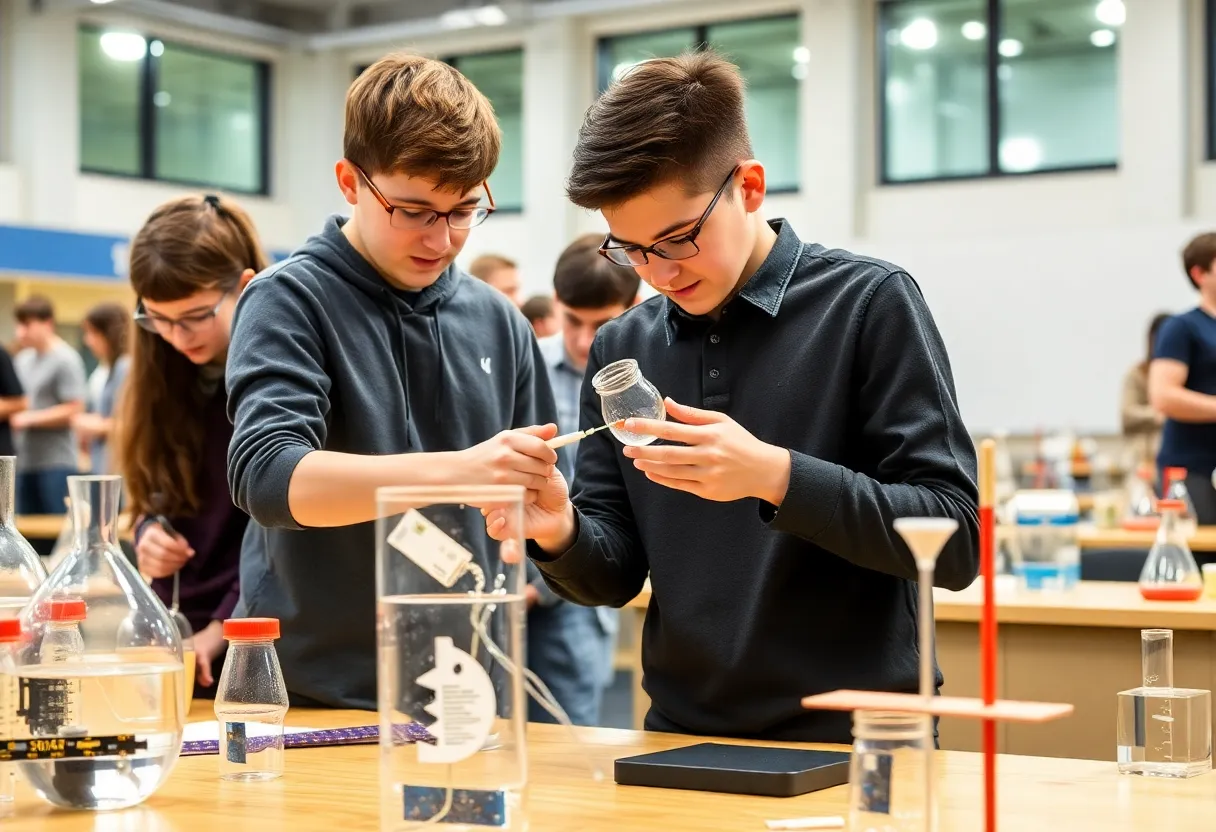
x: 103, y: 718
x: 450, y: 624
x: 251, y: 702
x: 1046, y: 555
x: 10, y: 639
x: 1170, y: 572
x: 21, y: 570
x: 889, y: 780
x: 1163, y: 731
x: 625, y: 393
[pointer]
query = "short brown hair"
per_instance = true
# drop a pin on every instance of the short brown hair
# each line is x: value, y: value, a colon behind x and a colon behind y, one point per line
x: 584, y: 279
x: 486, y: 264
x: 414, y: 115
x: 35, y: 308
x: 665, y: 120
x: 1200, y: 251
x: 537, y: 307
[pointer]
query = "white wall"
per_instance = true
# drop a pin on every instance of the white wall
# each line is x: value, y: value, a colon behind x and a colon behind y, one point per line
x: 1041, y: 285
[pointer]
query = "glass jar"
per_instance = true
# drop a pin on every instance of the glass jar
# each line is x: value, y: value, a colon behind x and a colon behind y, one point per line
x: 251, y: 702
x: 450, y: 628
x: 21, y: 570
x: 78, y: 681
x: 889, y: 772
x: 625, y: 393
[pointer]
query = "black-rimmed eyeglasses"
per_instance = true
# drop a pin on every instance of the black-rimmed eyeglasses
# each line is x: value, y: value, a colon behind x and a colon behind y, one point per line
x: 679, y: 247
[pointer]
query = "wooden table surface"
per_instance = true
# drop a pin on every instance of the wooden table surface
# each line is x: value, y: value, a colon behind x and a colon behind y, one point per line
x: 337, y: 788
x: 48, y: 526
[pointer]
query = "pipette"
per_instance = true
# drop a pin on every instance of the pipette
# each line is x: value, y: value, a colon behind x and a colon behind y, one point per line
x: 570, y: 438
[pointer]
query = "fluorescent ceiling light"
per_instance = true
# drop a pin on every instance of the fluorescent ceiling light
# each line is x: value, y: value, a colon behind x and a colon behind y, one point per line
x: 1010, y: 48
x: 123, y: 46
x: 102, y: 2
x: 468, y: 18
x: 1021, y: 154
x: 1111, y: 12
x: 974, y: 30
x: 1102, y: 37
x: 802, y: 55
x: 919, y: 34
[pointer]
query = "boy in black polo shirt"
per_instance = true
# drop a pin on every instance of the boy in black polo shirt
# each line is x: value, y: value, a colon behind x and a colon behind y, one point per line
x: 810, y: 404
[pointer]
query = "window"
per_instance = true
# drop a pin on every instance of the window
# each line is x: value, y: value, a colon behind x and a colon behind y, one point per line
x: 772, y: 62
x: 500, y: 77
x: 159, y: 110
x: 995, y: 87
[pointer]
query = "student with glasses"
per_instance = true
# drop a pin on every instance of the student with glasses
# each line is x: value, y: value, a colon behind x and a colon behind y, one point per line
x: 809, y: 403
x: 368, y: 359
x: 189, y: 263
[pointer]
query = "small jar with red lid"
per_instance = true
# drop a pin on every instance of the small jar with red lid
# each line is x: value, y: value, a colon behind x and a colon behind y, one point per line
x: 251, y: 702
x: 10, y: 636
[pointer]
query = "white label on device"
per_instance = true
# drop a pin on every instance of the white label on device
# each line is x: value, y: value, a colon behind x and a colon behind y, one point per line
x: 463, y: 705
x: 430, y: 548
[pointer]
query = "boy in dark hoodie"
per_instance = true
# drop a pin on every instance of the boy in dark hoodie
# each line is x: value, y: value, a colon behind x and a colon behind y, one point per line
x: 369, y: 359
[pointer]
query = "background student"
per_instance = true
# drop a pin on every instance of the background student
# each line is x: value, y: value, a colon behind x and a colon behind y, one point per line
x: 189, y: 264
x: 106, y: 330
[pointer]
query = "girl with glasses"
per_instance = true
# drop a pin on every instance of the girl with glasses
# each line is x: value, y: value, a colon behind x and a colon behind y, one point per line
x: 189, y: 264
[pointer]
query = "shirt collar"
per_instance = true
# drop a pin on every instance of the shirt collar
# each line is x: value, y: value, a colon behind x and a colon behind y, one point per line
x: 765, y: 289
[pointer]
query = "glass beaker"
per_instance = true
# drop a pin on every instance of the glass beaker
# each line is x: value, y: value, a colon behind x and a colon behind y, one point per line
x: 21, y: 570
x: 625, y: 393
x: 251, y: 701
x: 1175, y: 489
x: 889, y: 788
x: 1170, y: 572
x: 114, y: 711
x: 450, y: 627
x: 1163, y: 731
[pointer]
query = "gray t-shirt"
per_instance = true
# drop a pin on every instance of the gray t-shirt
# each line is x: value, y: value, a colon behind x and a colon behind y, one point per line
x: 50, y: 378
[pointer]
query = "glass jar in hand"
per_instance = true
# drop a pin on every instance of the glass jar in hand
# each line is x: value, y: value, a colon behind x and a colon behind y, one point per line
x: 626, y: 394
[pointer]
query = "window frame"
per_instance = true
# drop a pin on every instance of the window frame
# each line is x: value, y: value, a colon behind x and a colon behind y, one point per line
x: 603, y: 60
x: 148, y: 78
x: 993, y: 109
x: 453, y: 60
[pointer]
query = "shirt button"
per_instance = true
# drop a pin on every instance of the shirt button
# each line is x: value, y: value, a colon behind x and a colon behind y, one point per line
x: 715, y: 338
x: 714, y: 373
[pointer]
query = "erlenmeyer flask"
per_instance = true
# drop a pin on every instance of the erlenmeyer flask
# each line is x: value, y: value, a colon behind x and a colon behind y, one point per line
x: 1170, y: 573
x: 1141, y: 503
x: 126, y: 699
x: 1175, y: 489
x: 21, y: 570
x: 625, y: 393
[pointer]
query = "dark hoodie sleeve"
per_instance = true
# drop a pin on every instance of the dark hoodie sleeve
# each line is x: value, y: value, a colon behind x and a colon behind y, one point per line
x: 534, y: 405
x: 278, y: 396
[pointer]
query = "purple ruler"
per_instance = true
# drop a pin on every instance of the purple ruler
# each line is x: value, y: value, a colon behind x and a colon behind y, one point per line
x: 360, y: 735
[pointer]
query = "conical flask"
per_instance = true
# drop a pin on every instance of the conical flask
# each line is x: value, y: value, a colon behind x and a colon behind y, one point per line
x: 21, y: 570
x: 1170, y: 573
x: 1141, y: 502
x: 118, y: 709
x: 1175, y: 489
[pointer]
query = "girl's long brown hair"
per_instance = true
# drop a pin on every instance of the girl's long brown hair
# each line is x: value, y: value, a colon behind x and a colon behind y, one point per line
x: 187, y: 245
x: 113, y: 323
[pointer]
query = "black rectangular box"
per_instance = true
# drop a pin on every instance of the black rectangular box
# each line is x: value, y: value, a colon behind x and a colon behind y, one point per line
x: 736, y: 769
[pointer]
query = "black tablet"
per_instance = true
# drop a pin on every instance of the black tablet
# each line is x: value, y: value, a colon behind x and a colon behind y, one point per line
x: 737, y: 769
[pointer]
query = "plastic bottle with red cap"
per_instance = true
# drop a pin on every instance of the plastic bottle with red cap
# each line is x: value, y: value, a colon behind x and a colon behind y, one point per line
x: 1170, y: 572
x: 10, y: 636
x: 251, y: 702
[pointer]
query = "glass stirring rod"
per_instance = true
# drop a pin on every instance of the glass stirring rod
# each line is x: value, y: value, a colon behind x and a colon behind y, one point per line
x: 570, y: 438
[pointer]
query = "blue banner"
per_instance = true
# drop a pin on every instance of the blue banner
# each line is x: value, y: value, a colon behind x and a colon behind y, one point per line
x: 48, y: 253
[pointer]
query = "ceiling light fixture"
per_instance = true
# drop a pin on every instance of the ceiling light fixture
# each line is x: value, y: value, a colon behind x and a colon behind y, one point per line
x: 974, y: 30
x: 919, y: 34
x: 123, y: 46
x: 1111, y: 12
x: 1102, y: 38
x: 1010, y: 48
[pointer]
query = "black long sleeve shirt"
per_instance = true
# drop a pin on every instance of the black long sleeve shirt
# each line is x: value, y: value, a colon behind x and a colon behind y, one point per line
x: 836, y: 358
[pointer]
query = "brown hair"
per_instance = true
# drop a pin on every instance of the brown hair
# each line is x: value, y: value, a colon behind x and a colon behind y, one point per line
x: 113, y: 323
x: 35, y: 308
x: 413, y: 115
x: 1154, y: 327
x: 665, y: 120
x: 537, y: 307
x: 187, y: 245
x: 583, y: 279
x: 486, y: 264
x: 1200, y: 251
